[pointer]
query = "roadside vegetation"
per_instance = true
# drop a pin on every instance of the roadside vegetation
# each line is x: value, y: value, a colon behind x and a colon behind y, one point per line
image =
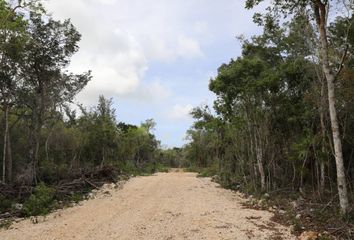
x: 280, y: 130
x: 282, y: 124
x: 54, y: 151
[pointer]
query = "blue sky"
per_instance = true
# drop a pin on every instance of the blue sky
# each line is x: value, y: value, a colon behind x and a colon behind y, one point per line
x: 155, y: 57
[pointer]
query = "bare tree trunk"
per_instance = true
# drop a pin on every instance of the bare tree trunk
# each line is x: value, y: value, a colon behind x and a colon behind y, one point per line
x: 36, y: 134
x: 259, y: 156
x: 6, y: 112
x: 103, y: 157
x: 38, y: 116
x: 36, y: 154
x: 323, y: 132
x: 321, y: 13
x: 46, y: 146
x: 9, y: 158
x: 256, y: 145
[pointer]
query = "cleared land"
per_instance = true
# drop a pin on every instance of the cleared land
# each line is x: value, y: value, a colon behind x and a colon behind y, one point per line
x: 166, y: 206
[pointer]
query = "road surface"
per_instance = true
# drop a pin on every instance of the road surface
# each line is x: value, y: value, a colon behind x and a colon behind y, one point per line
x: 165, y: 206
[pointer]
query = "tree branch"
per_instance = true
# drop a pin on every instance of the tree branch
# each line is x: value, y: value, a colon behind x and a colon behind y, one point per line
x: 342, y: 60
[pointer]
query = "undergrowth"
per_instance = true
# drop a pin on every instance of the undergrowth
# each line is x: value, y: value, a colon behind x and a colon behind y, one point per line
x: 45, y: 198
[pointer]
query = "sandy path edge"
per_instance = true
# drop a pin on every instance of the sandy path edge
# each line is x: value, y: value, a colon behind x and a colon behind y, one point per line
x: 164, y: 206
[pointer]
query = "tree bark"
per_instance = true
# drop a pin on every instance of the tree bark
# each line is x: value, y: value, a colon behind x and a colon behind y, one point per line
x: 9, y: 158
x: 6, y: 113
x: 323, y: 133
x: 320, y: 14
x: 103, y: 157
x: 7, y: 155
x: 259, y: 157
x: 36, y: 153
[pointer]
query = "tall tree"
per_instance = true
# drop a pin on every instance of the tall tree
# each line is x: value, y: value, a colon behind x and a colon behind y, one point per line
x: 46, y: 85
x: 12, y: 39
x: 320, y: 10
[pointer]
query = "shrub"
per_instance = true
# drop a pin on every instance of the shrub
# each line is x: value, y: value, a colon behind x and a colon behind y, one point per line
x: 209, y: 171
x: 41, y: 202
x: 151, y: 168
x: 5, y: 204
x: 5, y: 224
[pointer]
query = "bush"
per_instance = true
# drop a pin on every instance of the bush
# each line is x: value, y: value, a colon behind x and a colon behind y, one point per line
x: 5, y: 224
x: 128, y: 168
x: 151, y: 168
x: 41, y: 202
x: 209, y: 171
x: 5, y: 204
x: 161, y: 168
x: 192, y: 169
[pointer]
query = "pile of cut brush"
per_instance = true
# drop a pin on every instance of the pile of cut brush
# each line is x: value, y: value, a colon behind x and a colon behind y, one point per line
x: 83, y: 183
x: 79, y: 183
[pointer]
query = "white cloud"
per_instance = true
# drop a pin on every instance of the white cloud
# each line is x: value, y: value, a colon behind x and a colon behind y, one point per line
x: 115, y: 57
x: 136, y: 49
x: 180, y: 112
x: 119, y: 39
x: 188, y: 47
x: 108, y: 2
x: 150, y: 92
x: 163, y: 50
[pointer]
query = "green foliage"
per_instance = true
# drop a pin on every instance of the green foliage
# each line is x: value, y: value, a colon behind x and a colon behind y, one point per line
x: 5, y: 224
x: 5, y: 204
x: 155, y: 167
x: 209, y: 171
x: 297, y: 226
x: 77, y: 197
x: 193, y: 168
x: 271, y: 108
x: 40, y: 202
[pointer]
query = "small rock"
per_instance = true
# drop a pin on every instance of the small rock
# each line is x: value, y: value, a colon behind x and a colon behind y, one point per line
x: 294, y: 204
x: 215, y: 178
x: 106, y: 186
x: 282, y: 211
x: 17, y: 220
x: 266, y: 195
x: 261, y: 203
x: 18, y: 206
x: 308, y: 235
x: 298, y: 216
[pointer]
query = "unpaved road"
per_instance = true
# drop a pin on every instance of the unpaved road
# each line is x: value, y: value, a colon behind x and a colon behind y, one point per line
x: 165, y: 206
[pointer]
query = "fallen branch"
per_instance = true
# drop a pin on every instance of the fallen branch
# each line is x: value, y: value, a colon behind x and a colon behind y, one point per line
x: 90, y: 183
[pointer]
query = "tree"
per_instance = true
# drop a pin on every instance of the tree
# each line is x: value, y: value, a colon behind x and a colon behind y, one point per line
x: 45, y: 85
x: 12, y: 39
x: 106, y: 126
x: 320, y: 10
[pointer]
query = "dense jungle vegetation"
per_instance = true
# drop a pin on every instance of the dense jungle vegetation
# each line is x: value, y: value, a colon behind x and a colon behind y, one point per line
x: 283, y: 120
x: 46, y: 138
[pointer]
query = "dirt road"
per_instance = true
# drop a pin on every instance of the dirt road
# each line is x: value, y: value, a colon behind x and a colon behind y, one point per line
x: 165, y: 206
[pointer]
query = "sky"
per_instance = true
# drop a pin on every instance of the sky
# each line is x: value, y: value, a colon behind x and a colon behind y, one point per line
x: 155, y: 58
